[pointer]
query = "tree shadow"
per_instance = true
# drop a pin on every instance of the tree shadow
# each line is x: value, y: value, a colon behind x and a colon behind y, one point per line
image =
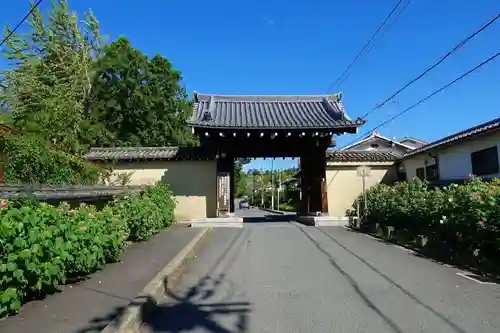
x: 193, y: 310
x: 182, y: 312
x: 98, y: 324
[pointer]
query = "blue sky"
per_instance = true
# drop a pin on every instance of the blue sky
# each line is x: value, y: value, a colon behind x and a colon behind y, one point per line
x: 300, y: 47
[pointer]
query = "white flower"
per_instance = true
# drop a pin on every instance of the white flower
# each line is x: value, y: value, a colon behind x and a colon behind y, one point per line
x: 450, y: 199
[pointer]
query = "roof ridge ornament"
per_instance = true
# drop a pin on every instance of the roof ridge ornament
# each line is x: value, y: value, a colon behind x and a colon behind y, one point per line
x: 328, y: 105
x: 208, y: 114
x: 338, y: 97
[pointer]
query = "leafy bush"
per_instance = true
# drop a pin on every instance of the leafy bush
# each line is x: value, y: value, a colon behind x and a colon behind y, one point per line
x: 147, y: 212
x: 461, y: 222
x: 43, y: 245
x: 161, y: 195
x: 31, y: 161
x: 286, y: 207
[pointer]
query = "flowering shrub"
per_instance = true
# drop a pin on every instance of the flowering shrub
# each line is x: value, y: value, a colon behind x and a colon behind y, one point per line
x: 461, y: 222
x: 43, y: 245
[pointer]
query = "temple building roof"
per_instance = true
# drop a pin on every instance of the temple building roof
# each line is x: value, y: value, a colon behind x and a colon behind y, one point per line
x: 287, y: 112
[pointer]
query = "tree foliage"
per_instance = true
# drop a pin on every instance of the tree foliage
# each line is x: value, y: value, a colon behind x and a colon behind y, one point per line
x: 139, y: 100
x: 49, y: 84
x: 240, y: 177
x: 68, y: 88
x: 32, y: 161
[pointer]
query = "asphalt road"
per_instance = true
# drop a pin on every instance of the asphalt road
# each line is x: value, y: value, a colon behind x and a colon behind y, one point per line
x: 281, y: 277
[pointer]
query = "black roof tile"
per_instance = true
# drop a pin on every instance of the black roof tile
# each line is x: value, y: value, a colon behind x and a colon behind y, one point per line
x: 148, y: 153
x: 359, y: 156
x: 457, y: 137
x: 271, y: 112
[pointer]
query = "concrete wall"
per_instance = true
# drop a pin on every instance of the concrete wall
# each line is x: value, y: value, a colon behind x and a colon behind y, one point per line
x: 344, y: 185
x: 193, y: 183
x: 454, y: 161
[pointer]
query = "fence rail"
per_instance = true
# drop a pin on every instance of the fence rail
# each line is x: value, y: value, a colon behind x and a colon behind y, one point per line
x: 60, y: 193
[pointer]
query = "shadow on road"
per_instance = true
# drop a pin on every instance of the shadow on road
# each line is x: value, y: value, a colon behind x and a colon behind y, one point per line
x: 193, y: 310
x: 269, y: 218
x: 189, y: 311
x: 452, y: 325
x: 199, y: 307
x: 354, y: 284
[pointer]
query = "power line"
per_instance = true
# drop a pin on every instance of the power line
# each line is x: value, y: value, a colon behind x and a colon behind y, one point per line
x: 427, y: 97
x: 443, y: 58
x: 375, y: 34
x: 32, y: 9
x: 372, y: 46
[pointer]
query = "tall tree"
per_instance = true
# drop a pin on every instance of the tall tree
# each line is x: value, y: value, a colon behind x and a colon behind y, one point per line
x: 139, y: 101
x: 49, y: 84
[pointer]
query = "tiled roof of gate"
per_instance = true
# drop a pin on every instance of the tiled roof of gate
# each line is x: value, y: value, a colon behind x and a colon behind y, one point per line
x: 270, y: 112
x: 148, y: 153
x: 455, y: 138
x: 359, y: 156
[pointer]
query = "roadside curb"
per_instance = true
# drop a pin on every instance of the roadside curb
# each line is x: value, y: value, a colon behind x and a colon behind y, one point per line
x: 131, y: 319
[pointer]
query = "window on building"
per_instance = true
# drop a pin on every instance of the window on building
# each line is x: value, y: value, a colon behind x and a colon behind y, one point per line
x: 420, y: 173
x: 430, y: 173
x: 485, y: 162
x: 374, y: 145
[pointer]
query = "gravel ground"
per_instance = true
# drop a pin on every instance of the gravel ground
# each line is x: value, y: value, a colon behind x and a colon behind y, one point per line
x: 284, y: 277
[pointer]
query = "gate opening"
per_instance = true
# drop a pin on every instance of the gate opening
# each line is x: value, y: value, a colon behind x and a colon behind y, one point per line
x: 272, y: 126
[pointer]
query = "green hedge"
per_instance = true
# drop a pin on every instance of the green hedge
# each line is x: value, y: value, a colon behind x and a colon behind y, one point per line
x: 461, y: 222
x: 31, y: 161
x: 43, y: 245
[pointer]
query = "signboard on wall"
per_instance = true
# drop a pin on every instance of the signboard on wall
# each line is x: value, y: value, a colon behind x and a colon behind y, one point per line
x: 223, y: 197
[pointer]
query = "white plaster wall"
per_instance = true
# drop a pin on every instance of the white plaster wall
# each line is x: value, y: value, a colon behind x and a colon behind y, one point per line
x: 413, y: 163
x: 455, y: 161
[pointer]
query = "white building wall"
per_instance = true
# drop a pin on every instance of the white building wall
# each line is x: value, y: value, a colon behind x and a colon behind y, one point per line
x: 455, y: 161
x: 413, y: 163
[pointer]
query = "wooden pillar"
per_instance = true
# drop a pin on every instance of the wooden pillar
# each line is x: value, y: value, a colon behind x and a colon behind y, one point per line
x: 313, y: 185
x: 223, y: 185
x: 304, y: 185
x: 318, y: 175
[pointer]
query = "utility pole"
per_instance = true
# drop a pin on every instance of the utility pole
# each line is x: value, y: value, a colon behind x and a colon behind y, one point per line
x: 279, y: 186
x: 363, y: 172
x: 262, y: 186
x: 253, y: 188
x: 272, y: 183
